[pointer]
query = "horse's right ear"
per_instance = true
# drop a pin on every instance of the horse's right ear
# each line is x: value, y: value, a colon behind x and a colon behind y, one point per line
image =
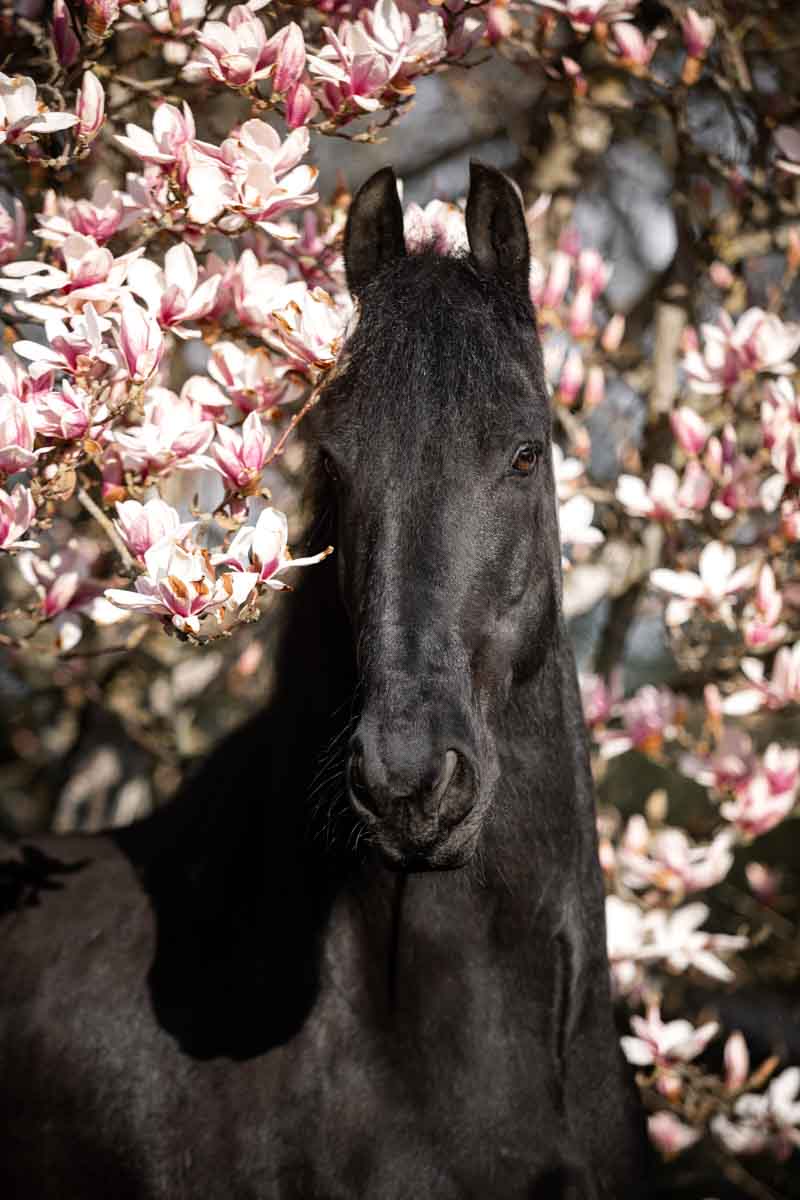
x: 373, y: 237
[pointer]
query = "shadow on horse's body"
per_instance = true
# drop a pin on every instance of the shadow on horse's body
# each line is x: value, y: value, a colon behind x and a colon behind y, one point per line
x: 243, y: 996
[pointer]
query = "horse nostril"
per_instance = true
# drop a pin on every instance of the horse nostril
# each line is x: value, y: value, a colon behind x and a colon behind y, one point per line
x: 439, y: 789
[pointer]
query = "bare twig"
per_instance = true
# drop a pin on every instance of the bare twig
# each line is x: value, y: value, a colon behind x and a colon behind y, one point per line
x: 131, y: 566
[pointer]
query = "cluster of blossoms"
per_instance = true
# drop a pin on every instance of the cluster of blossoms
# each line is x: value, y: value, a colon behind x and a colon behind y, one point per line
x: 165, y: 329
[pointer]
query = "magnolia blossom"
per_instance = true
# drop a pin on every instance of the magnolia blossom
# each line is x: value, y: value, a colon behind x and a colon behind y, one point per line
x: 670, y: 1135
x: 74, y: 346
x: 632, y: 47
x: 762, y: 628
x: 665, y: 1046
x: 240, y: 457
x: 261, y: 552
x: 438, y: 226
x: 22, y: 114
x: 260, y: 289
x: 690, y: 430
x: 180, y: 584
x: 107, y: 212
x: 250, y: 377
x: 718, y: 579
x: 12, y: 232
x: 17, y: 511
x: 698, y: 33
x: 651, y: 716
x: 67, y: 413
x: 142, y: 525
x: 312, y: 329
x: 765, y: 1121
x: 66, y: 587
x: 575, y: 523
x: 17, y: 435
x: 173, y: 435
x: 637, y: 938
x: 783, y: 688
x: 90, y: 273
x: 255, y: 176
x: 600, y: 700
x: 666, y: 497
x: 584, y: 14
x: 140, y: 340
x: 90, y: 108
x: 666, y: 859
x: 759, y: 341
x: 237, y: 51
x: 758, y: 806
x: 174, y: 295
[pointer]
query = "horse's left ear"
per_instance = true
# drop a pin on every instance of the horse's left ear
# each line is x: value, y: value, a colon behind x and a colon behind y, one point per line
x: 498, y: 237
x: 374, y: 235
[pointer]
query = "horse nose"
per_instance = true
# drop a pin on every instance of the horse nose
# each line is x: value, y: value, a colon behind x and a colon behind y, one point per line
x: 377, y: 787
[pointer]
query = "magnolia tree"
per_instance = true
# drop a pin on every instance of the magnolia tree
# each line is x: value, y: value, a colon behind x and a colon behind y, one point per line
x: 168, y: 328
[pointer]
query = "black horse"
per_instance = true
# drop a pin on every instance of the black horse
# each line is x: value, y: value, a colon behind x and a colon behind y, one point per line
x: 363, y: 956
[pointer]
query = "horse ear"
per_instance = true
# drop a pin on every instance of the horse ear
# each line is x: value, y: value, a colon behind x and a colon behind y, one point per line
x: 498, y: 237
x: 373, y: 236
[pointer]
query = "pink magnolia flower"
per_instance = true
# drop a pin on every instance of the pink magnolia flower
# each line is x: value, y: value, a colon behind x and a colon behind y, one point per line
x: 99, y: 218
x: 67, y: 413
x: 12, y: 232
x: 780, y: 426
x: 630, y: 44
x: 17, y: 511
x: 575, y: 523
x: 737, y: 1062
x: 438, y: 226
x: 172, y: 436
x: 90, y: 107
x: 762, y: 628
x: 600, y: 700
x: 238, y: 52
x: 670, y: 1135
x: 759, y: 341
x: 142, y: 525
x: 207, y: 396
x: 240, y: 457
x: 758, y: 808
x: 668, y: 860
x: 408, y: 45
x: 782, y: 689
x: 558, y: 277
x: 698, y: 33
x: 312, y: 329
x: 250, y: 377
x: 613, y: 333
x: 22, y: 115
x: 764, y: 1121
x: 257, y: 177
x: 764, y: 883
x: 179, y: 584
x: 101, y: 15
x: 300, y: 106
x: 718, y: 579
x: 666, y: 497
x: 140, y: 341
x: 261, y: 551
x: 173, y: 295
x: 90, y: 273
x: 67, y: 45
x: 66, y: 587
x: 674, y: 939
x: 651, y: 716
x: 76, y: 348
x: 583, y: 15
x: 351, y: 73
x: 690, y: 430
x: 571, y: 378
x: 17, y: 434
x: 665, y: 1046
x: 259, y: 289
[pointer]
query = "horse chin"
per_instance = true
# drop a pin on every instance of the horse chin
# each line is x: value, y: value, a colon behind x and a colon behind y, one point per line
x: 449, y: 853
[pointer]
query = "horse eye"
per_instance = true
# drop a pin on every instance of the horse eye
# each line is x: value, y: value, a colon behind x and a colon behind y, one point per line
x: 526, y: 458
